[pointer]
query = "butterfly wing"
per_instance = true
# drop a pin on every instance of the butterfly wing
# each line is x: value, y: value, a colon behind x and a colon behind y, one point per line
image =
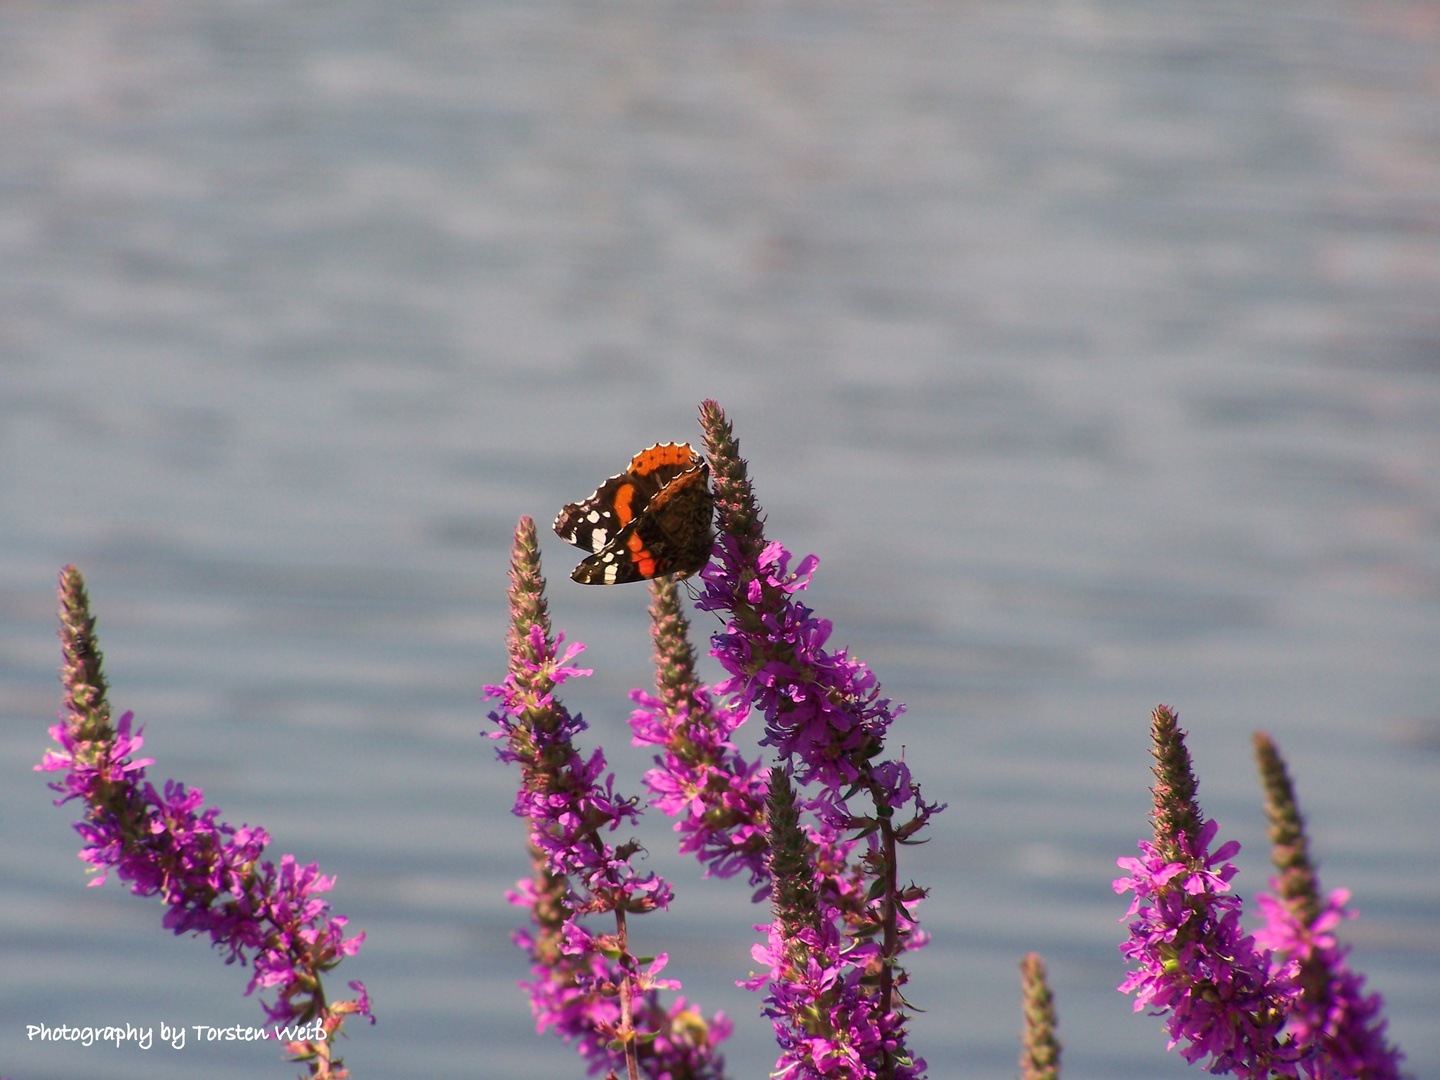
x: 599, y: 520
x: 672, y: 535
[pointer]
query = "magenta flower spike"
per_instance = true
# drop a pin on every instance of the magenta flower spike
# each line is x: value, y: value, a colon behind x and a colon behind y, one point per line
x: 1280, y: 1003
x: 1225, y: 1004
x: 1333, y: 1017
x: 586, y: 984
x: 701, y: 778
x: 1193, y: 960
x: 208, y: 873
x: 833, y: 960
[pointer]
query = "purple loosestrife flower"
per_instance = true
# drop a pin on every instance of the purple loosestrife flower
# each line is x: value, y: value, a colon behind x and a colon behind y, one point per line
x: 827, y: 721
x: 821, y: 983
x: 1193, y: 959
x: 1333, y: 1017
x: 208, y: 872
x: 587, y: 985
x: 701, y: 775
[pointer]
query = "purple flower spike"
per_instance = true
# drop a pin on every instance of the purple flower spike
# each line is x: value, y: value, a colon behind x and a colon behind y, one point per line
x: 701, y: 778
x: 587, y: 985
x: 209, y: 873
x: 1334, y: 1018
x: 840, y: 929
x: 821, y: 985
x: 1193, y: 960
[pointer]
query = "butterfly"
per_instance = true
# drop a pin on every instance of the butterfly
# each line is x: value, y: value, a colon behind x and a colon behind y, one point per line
x: 653, y: 518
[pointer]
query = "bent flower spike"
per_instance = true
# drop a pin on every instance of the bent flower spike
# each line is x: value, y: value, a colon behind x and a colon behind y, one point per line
x: 208, y: 873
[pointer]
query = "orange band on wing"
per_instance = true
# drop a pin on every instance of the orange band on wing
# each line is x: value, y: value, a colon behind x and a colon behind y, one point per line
x: 624, y: 496
x: 647, y: 461
x: 643, y: 560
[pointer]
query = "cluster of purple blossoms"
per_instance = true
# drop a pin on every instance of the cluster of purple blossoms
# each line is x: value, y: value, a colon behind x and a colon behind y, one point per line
x: 1195, y: 961
x: 701, y: 778
x: 842, y: 919
x: 811, y: 968
x: 1333, y: 1013
x: 208, y: 873
x: 1332, y: 1016
x: 831, y: 982
x: 587, y: 985
x: 840, y: 926
x: 1280, y: 1003
x: 576, y: 990
x: 814, y: 972
x: 564, y: 799
x: 822, y: 710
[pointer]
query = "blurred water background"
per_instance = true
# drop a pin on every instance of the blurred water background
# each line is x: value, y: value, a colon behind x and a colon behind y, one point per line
x: 1093, y: 346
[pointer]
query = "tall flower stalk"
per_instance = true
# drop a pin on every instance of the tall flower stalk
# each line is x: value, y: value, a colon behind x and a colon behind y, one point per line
x: 1332, y: 1015
x: 207, y: 872
x: 1194, y: 962
x: 587, y: 984
x: 834, y: 973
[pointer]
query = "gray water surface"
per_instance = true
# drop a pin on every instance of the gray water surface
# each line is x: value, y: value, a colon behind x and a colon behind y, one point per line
x: 1093, y: 347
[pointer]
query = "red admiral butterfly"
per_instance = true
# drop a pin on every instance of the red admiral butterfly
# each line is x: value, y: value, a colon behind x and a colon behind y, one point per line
x: 651, y: 519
